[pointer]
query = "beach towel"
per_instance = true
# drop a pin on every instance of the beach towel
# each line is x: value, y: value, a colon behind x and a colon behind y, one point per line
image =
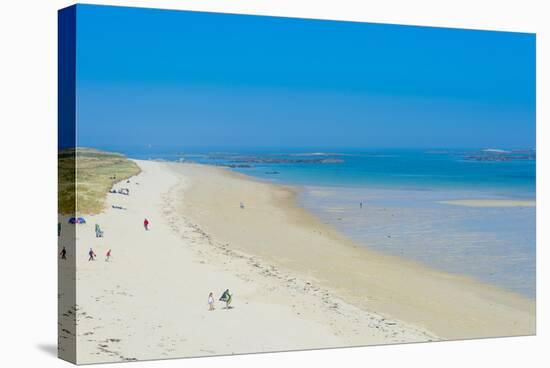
x: 225, y: 296
x: 75, y: 220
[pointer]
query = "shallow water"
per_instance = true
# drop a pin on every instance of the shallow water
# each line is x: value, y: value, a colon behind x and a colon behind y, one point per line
x: 493, y: 245
x: 401, y: 215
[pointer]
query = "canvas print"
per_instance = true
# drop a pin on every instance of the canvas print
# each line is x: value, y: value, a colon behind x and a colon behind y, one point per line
x: 234, y: 184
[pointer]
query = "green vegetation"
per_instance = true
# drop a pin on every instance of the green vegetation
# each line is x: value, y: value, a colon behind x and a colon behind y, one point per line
x: 82, y: 188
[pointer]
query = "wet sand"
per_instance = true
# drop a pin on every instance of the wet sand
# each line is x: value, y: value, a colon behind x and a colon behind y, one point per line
x: 273, y: 228
x: 494, y: 245
x: 149, y: 300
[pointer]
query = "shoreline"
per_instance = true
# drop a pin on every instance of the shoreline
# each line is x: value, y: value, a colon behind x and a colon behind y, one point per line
x: 150, y: 299
x: 494, y: 245
x: 383, y: 292
x: 284, y: 268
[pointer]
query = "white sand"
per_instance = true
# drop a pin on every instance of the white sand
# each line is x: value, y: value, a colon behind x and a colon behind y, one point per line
x: 150, y: 300
x: 272, y: 227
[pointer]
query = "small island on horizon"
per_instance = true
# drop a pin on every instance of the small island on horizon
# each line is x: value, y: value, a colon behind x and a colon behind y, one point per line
x: 234, y: 184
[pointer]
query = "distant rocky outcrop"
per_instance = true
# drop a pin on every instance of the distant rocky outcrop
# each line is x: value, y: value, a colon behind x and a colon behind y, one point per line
x: 493, y: 154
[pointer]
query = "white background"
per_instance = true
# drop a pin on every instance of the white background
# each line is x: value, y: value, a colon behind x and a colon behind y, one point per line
x: 28, y: 113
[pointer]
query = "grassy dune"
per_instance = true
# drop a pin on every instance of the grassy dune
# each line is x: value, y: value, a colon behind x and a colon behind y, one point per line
x: 85, y: 176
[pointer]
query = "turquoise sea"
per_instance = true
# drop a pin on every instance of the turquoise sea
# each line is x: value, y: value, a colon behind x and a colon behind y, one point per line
x: 389, y: 200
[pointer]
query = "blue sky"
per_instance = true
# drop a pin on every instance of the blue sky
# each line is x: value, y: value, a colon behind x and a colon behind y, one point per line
x: 189, y: 80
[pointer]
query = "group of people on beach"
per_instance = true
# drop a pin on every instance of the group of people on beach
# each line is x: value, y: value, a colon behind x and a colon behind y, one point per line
x: 226, y: 297
x: 99, y: 234
x: 92, y: 255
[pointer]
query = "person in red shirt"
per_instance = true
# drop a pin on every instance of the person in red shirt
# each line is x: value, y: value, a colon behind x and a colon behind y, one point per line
x: 146, y: 224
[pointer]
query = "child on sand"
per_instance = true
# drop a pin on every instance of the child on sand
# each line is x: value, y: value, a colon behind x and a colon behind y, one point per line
x: 146, y: 224
x: 108, y: 256
x: 63, y: 253
x: 92, y: 255
x: 211, y: 301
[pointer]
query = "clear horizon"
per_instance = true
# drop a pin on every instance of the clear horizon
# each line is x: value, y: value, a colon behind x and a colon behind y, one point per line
x: 191, y: 79
x: 305, y: 149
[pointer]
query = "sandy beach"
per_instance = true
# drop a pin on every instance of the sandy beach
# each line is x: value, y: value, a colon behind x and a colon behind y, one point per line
x: 296, y: 282
x: 342, y: 184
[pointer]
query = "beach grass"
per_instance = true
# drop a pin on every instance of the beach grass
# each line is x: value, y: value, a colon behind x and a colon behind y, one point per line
x: 86, y: 175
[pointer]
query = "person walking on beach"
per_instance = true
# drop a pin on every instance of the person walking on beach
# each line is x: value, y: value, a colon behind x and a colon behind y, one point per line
x: 63, y: 253
x: 211, y: 301
x: 146, y: 224
x: 242, y: 206
x: 92, y: 255
x: 227, y: 298
x: 360, y: 204
x: 108, y: 256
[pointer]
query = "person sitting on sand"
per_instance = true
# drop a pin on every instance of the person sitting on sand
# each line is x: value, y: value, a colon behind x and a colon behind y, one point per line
x: 146, y: 224
x: 108, y: 256
x: 92, y: 255
x: 227, y: 298
x: 211, y: 301
x: 63, y: 253
x: 98, y: 231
